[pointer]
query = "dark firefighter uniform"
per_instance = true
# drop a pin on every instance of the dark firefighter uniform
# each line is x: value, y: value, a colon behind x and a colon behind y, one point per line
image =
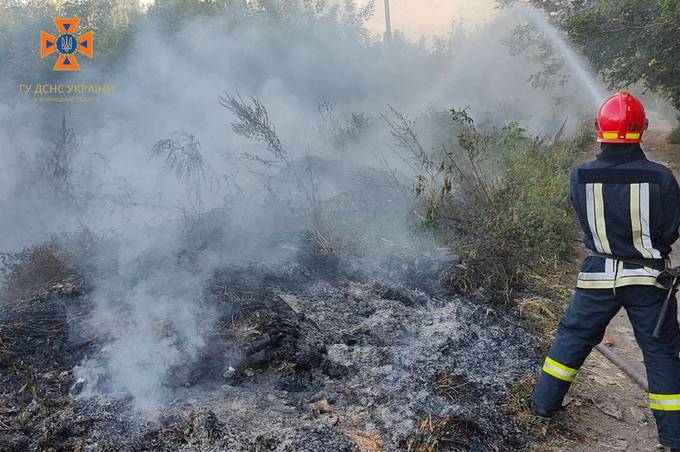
x: 628, y: 207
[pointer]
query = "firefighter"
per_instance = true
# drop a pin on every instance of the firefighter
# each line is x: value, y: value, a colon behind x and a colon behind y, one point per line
x: 629, y: 210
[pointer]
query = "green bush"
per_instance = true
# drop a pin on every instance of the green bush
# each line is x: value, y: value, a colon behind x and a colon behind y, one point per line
x: 674, y: 137
x: 511, y: 213
x: 498, y: 198
x: 538, y: 182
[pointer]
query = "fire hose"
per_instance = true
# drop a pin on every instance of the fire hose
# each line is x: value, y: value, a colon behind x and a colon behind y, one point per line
x: 621, y: 363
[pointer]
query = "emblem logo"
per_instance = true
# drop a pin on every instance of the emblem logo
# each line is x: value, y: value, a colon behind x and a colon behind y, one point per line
x: 66, y: 44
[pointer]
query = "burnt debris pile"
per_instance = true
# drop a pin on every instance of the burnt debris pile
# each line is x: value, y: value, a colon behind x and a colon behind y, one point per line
x: 345, y: 357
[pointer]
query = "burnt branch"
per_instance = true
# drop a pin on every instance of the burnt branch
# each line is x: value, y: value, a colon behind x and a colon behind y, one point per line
x: 253, y: 122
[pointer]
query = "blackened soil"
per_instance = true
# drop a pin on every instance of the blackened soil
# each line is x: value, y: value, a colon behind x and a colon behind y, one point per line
x: 301, y: 360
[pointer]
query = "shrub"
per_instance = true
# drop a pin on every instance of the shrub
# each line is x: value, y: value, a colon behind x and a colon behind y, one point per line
x: 434, y: 182
x: 511, y: 213
x: 538, y: 185
x: 674, y: 137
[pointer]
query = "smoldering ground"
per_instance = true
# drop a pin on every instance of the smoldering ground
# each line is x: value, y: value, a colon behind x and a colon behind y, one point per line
x: 178, y: 197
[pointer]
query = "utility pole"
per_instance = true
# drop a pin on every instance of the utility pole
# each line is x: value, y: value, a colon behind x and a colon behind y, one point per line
x: 388, y: 23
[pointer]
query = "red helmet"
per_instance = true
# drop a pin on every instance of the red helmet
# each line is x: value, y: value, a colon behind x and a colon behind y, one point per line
x: 621, y: 119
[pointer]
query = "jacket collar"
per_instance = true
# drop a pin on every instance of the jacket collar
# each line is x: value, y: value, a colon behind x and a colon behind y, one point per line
x: 621, y: 153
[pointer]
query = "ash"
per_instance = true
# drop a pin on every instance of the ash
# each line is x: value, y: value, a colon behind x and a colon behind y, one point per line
x: 307, y: 355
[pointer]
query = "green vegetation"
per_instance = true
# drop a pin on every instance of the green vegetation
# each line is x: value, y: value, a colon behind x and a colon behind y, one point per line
x: 674, y: 137
x: 509, y: 214
x: 628, y: 41
x: 113, y: 22
x: 633, y: 41
x: 498, y: 198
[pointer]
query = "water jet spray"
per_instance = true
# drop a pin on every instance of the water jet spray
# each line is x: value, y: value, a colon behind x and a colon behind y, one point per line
x: 574, y: 62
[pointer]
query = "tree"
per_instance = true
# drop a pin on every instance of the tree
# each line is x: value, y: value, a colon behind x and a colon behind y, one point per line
x: 628, y: 41
x: 633, y: 41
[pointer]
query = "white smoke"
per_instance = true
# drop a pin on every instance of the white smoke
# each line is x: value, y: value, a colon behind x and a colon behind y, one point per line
x: 148, y: 301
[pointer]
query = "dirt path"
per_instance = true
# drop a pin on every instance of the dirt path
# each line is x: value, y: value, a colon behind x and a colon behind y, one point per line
x: 602, y: 387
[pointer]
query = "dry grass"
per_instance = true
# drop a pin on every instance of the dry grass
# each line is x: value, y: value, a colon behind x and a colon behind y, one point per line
x: 553, y: 277
x: 490, y: 259
x: 550, y: 288
x: 4, y: 339
x: 449, y: 385
x: 30, y: 386
x: 27, y: 310
x: 364, y: 441
x: 434, y: 434
x: 33, y: 271
x: 317, y: 250
x: 553, y: 434
x: 542, y: 314
x: 518, y: 405
x: 318, y: 243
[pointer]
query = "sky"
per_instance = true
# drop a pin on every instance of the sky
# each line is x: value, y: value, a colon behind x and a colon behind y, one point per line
x: 431, y: 17
x: 425, y: 17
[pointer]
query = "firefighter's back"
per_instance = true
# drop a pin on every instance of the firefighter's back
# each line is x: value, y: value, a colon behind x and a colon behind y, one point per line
x: 628, y: 207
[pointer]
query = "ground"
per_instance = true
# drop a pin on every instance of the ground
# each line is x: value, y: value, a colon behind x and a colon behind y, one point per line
x: 602, y: 383
x: 315, y: 353
x: 301, y: 360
